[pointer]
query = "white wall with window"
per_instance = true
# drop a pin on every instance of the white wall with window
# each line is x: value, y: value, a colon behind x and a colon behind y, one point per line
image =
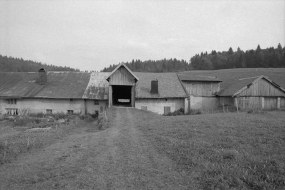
x: 160, y: 106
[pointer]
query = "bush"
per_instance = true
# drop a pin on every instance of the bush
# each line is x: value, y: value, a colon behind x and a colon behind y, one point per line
x: 175, y: 113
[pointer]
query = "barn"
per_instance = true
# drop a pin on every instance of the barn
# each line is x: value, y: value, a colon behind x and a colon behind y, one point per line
x: 89, y: 93
x: 253, y: 93
x: 201, y: 91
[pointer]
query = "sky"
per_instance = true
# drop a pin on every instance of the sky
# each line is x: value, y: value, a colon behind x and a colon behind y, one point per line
x: 91, y: 35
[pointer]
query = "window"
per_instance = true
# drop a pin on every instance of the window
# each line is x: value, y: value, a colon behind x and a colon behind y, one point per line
x: 11, y: 101
x: 49, y: 111
x: 166, y: 110
x: 144, y: 108
x: 11, y: 111
x: 96, y: 102
x: 69, y: 111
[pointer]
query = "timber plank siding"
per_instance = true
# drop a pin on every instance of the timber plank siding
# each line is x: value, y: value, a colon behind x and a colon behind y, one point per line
x: 122, y: 77
x: 262, y: 88
x: 201, y: 88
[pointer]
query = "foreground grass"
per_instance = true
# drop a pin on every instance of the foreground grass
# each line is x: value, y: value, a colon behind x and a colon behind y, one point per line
x: 223, y: 151
x: 18, y: 140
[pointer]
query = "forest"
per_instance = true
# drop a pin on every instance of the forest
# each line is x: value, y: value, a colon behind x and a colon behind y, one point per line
x: 258, y: 58
x: 11, y: 64
x: 214, y: 60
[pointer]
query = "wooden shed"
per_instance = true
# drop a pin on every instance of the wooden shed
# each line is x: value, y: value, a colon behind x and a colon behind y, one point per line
x: 253, y: 93
x: 201, y: 91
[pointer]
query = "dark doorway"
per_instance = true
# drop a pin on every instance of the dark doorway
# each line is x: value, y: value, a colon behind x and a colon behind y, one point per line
x: 122, y: 95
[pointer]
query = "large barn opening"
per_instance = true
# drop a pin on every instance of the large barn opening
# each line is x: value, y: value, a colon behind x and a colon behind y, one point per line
x: 122, y: 95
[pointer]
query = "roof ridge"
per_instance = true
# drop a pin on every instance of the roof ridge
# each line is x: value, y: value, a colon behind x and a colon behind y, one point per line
x: 252, y: 77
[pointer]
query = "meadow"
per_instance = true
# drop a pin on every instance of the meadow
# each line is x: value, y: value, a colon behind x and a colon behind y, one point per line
x: 226, y: 150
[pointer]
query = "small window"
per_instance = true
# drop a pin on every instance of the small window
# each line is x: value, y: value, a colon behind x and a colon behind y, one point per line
x: 69, y: 111
x: 96, y: 102
x: 144, y: 108
x: 49, y: 111
x: 11, y: 101
x: 166, y: 110
x: 11, y: 111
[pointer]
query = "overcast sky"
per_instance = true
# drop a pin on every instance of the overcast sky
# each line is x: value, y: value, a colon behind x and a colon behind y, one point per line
x: 91, y: 35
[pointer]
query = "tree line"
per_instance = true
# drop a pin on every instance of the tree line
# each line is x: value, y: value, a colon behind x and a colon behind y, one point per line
x: 164, y: 65
x: 262, y: 58
x: 11, y: 64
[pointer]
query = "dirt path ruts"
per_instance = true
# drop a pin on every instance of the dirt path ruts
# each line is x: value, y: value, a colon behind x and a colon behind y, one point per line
x: 119, y: 157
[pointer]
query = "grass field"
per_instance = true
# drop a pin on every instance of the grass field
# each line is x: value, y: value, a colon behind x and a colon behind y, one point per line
x: 224, y: 151
x: 142, y: 150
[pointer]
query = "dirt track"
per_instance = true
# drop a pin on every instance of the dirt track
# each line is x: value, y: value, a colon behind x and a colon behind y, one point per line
x: 120, y: 157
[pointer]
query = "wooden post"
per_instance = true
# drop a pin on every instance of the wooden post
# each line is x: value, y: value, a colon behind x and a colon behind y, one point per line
x: 85, y: 106
x: 133, y: 96
x: 110, y: 96
x: 236, y: 101
x: 262, y: 102
x: 278, y: 103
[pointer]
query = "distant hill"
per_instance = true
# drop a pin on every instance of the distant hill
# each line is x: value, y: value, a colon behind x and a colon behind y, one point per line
x: 228, y: 76
x: 11, y: 64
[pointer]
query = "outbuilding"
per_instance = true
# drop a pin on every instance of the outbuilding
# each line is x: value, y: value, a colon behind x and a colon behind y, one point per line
x: 253, y: 93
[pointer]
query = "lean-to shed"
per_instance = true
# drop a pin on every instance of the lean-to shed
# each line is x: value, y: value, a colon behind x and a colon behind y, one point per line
x: 253, y: 93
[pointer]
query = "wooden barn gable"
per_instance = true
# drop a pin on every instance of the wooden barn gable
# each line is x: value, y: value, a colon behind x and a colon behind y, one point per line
x: 262, y: 86
x: 122, y: 75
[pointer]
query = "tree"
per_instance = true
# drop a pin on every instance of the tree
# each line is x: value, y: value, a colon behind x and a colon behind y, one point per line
x: 230, y: 52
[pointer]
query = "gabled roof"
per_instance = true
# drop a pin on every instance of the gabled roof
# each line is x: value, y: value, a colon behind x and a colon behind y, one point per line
x: 59, y: 85
x: 169, y: 85
x: 198, y: 78
x: 122, y: 65
x: 244, y: 83
x: 98, y: 87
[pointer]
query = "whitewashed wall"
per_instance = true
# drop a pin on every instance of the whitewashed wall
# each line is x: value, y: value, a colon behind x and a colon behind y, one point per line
x: 56, y: 105
x: 203, y: 103
x: 157, y: 105
x: 91, y: 108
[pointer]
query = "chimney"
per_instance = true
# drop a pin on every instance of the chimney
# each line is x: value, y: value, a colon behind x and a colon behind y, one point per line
x: 42, y: 77
x: 154, y: 87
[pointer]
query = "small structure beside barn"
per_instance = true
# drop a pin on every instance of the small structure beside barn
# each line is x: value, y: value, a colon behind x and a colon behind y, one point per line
x: 201, y: 91
x: 253, y: 93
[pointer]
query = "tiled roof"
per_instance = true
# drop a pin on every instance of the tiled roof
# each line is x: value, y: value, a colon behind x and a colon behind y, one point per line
x: 98, y: 87
x: 59, y: 85
x: 203, y: 78
x: 169, y: 85
x: 84, y: 85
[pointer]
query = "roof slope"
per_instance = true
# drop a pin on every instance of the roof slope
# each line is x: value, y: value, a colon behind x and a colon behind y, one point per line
x: 189, y: 77
x: 241, y: 84
x: 230, y: 76
x: 98, y: 87
x: 59, y: 85
x: 169, y: 85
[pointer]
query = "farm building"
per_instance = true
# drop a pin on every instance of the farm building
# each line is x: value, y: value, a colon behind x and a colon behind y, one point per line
x: 47, y: 92
x: 83, y: 93
x: 201, y: 91
x: 79, y: 92
x: 253, y: 93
